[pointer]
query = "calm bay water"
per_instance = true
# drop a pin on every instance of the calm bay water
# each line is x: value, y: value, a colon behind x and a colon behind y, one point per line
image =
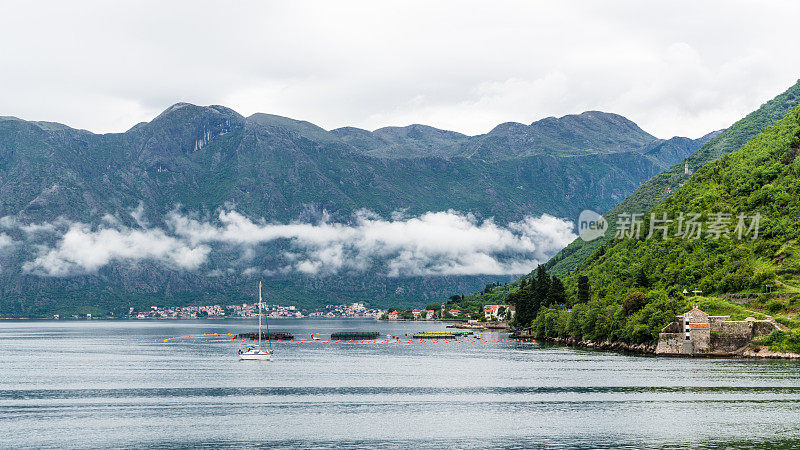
x: 116, y: 384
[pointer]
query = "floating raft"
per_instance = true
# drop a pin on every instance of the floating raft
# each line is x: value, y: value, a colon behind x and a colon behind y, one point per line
x: 436, y: 335
x: 273, y: 336
x: 441, y: 334
x: 354, y: 335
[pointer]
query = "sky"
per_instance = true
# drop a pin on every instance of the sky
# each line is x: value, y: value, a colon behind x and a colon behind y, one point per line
x: 674, y: 67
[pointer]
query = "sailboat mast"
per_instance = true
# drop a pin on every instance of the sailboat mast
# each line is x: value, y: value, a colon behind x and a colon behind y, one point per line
x: 269, y: 339
x: 259, y: 316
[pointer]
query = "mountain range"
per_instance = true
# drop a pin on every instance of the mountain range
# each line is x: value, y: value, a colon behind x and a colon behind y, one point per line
x: 196, y: 161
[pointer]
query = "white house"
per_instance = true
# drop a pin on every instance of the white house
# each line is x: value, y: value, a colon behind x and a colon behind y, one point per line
x: 499, y: 312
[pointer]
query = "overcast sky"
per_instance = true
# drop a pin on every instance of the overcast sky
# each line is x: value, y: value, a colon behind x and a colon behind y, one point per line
x: 673, y: 67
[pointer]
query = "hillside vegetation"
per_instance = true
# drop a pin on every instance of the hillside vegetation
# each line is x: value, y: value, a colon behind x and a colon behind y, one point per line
x: 657, y: 188
x: 636, y: 285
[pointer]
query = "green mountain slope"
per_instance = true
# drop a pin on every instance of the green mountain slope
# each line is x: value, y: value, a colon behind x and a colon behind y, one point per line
x: 761, y: 178
x: 660, y: 186
x: 637, y: 283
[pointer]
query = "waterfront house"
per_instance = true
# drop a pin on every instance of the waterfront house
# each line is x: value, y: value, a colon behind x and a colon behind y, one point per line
x: 454, y: 312
x: 499, y: 312
x: 416, y: 313
x: 430, y: 314
x: 394, y: 315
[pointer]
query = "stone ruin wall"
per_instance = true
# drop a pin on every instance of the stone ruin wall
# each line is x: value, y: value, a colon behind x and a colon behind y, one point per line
x: 669, y: 344
x: 701, y: 340
x: 724, y: 336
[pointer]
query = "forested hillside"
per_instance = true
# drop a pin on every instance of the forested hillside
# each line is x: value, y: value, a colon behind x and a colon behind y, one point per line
x: 654, y: 190
x: 745, y: 235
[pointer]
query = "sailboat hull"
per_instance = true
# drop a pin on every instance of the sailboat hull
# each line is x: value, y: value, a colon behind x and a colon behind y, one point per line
x: 263, y: 356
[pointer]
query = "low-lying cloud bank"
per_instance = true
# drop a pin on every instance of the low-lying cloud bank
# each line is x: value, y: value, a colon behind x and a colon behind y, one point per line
x: 82, y: 250
x: 434, y: 243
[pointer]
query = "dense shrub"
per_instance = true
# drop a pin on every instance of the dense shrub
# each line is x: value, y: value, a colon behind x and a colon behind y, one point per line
x: 782, y: 341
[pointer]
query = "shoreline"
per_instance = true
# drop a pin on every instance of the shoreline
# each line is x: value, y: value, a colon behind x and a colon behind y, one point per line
x: 754, y: 352
x: 480, y: 327
x: 608, y: 346
x: 133, y: 319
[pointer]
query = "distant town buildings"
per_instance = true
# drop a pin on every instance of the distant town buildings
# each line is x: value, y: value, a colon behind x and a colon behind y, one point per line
x: 349, y: 310
x: 250, y: 310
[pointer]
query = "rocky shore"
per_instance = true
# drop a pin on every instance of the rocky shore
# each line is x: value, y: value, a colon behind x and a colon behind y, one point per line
x: 624, y: 347
x: 750, y: 351
x: 763, y: 352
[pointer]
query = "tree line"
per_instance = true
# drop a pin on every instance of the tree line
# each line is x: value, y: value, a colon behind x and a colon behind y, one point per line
x: 536, y: 292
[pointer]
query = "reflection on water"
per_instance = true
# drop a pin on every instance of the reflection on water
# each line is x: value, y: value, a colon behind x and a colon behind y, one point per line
x: 101, y: 384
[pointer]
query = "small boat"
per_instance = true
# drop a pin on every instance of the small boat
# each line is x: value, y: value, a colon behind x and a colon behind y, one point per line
x: 253, y: 352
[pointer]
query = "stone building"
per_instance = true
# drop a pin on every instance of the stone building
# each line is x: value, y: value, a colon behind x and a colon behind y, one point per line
x: 697, y: 333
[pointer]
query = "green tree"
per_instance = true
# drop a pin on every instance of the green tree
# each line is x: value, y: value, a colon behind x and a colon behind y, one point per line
x: 540, y: 291
x: 633, y: 302
x: 641, y: 278
x: 522, y: 299
x: 584, y: 289
x: 557, y: 295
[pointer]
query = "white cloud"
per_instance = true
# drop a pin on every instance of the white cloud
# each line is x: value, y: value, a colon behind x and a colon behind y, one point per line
x: 432, y: 244
x: 32, y: 229
x: 675, y: 68
x: 435, y: 243
x: 82, y: 249
x: 138, y: 215
x: 8, y: 222
x: 5, y: 241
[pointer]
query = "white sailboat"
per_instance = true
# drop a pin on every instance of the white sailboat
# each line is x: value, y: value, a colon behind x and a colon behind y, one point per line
x: 255, y: 352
